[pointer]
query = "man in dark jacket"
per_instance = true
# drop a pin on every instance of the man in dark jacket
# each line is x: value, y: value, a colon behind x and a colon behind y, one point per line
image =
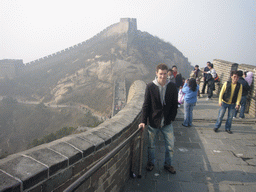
x: 178, y: 77
x: 246, y: 89
x: 206, y: 77
x: 160, y: 109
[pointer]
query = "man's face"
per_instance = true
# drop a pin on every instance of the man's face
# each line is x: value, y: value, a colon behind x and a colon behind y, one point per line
x: 161, y: 76
x: 234, y: 78
x: 196, y: 68
x: 169, y: 73
x: 174, y: 69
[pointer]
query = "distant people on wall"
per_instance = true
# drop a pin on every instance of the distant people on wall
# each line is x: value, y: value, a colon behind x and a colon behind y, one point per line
x: 178, y: 77
x: 170, y: 77
x: 245, y: 72
x: 205, y: 78
x: 183, y: 81
x: 229, y: 98
x: 249, y: 77
x: 197, y: 74
x: 211, y: 74
x: 159, y: 111
x: 190, y: 89
x: 245, y: 92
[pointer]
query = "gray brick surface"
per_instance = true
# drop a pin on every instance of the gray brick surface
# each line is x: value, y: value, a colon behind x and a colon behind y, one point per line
x: 26, y: 169
x: 204, y: 160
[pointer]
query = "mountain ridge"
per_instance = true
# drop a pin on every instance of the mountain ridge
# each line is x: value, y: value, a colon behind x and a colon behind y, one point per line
x: 85, y: 73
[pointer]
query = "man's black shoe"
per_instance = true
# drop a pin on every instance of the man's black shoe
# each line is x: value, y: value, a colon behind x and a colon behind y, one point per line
x: 228, y: 131
x: 184, y: 125
x: 150, y: 166
x: 215, y: 129
x: 170, y: 169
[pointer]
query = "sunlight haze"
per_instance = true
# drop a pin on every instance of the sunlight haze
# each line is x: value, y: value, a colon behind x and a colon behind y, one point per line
x: 202, y: 30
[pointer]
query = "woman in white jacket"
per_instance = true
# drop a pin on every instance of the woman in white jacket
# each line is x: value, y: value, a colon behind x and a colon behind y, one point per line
x: 211, y: 85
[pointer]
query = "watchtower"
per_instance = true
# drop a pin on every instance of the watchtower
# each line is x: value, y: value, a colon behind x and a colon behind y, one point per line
x: 132, y: 24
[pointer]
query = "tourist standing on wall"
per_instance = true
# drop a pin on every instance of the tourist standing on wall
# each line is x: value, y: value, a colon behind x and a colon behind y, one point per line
x: 170, y: 77
x: 206, y: 77
x: 249, y: 77
x: 160, y: 109
x: 197, y: 74
x: 177, y: 76
x: 229, y: 98
x: 211, y: 74
x: 190, y: 89
x: 245, y: 92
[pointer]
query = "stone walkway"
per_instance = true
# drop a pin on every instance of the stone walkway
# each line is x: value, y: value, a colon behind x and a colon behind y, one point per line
x: 204, y: 160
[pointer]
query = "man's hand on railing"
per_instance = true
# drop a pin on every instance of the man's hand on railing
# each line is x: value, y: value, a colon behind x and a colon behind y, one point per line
x: 142, y: 126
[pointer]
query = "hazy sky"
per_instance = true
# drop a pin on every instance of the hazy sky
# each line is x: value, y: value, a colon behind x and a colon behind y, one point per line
x: 201, y: 29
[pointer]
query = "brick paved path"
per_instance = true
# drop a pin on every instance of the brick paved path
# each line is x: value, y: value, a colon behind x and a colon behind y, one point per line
x: 204, y: 160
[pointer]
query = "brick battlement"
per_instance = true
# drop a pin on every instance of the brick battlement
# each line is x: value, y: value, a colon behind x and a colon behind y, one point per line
x: 126, y: 25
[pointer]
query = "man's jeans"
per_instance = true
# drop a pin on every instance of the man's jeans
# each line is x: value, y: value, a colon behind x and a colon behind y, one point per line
x: 222, y: 110
x: 167, y: 132
x: 242, y: 109
x: 204, y: 85
x: 210, y: 88
x: 188, y: 113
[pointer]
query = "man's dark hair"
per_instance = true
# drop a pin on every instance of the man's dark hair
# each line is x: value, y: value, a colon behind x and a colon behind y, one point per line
x: 234, y: 73
x: 174, y: 66
x: 169, y: 70
x: 209, y: 62
x: 197, y: 66
x: 161, y: 66
x: 192, y: 84
x: 211, y: 65
x: 240, y: 73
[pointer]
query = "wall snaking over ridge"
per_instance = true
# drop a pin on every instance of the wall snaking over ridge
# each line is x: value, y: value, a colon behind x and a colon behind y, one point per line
x: 56, y: 165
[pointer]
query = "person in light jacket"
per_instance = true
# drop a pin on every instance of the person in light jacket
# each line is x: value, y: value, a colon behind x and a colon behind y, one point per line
x: 229, y: 98
x: 190, y: 89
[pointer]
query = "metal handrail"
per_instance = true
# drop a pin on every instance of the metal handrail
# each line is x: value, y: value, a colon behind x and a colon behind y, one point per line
x: 105, y: 159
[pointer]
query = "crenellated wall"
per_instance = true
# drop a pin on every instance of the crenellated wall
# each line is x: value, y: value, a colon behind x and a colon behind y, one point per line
x: 55, y: 166
x: 126, y: 25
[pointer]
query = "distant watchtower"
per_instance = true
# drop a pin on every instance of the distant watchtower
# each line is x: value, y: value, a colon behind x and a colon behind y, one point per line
x: 10, y: 68
x: 132, y: 24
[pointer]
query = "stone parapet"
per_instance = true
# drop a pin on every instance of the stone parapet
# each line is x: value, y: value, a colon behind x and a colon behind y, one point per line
x: 251, y: 99
x: 224, y: 68
x: 56, y: 165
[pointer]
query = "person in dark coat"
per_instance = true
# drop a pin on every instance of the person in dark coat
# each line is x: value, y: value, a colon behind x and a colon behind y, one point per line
x: 178, y: 77
x: 160, y: 109
x: 206, y: 76
x: 246, y: 89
